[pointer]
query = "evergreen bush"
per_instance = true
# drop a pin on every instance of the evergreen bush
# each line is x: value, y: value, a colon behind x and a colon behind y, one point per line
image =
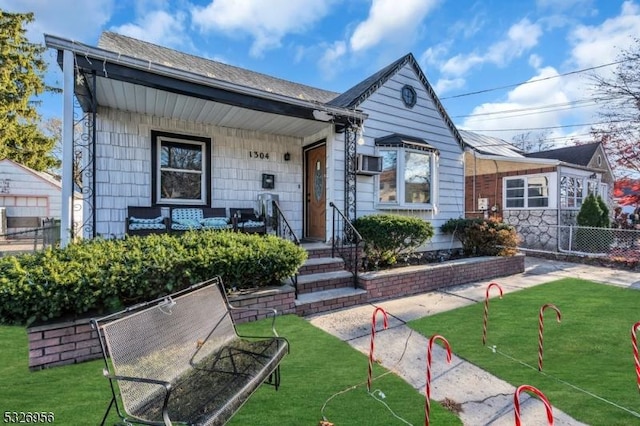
x: 594, y: 213
x: 387, y: 237
x: 101, y: 276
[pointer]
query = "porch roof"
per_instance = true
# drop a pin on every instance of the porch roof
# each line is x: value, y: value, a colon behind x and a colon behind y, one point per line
x: 156, y: 82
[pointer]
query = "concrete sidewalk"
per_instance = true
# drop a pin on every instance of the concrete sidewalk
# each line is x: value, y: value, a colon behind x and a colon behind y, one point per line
x: 485, y: 399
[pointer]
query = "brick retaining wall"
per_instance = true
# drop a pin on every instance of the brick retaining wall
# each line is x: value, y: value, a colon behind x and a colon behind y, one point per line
x: 411, y: 280
x: 75, y: 341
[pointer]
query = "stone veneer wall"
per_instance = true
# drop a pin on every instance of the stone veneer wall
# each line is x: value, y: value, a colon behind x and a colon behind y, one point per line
x: 73, y: 342
x: 411, y: 280
x: 537, y: 229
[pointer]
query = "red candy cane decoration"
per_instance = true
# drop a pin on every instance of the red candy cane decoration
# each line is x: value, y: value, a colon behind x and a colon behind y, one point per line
x: 486, y: 310
x: 516, y: 403
x: 541, y: 329
x: 373, y: 335
x: 634, y: 342
x: 427, y: 406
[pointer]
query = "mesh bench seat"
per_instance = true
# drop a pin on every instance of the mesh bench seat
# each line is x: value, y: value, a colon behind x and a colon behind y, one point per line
x: 179, y: 359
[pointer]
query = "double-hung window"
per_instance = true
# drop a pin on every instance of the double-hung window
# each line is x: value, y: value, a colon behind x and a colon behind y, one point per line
x: 408, y: 173
x: 526, y: 192
x: 181, y: 172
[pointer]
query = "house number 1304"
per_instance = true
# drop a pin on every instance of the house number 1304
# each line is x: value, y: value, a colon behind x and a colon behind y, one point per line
x: 260, y: 155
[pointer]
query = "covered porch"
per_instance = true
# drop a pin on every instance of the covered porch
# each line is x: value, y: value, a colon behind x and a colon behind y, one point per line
x: 161, y: 129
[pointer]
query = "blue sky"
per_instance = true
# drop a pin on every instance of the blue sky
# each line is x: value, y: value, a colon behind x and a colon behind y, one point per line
x: 462, y: 46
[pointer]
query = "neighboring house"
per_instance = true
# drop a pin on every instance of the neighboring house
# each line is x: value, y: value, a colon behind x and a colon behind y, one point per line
x: 28, y: 197
x: 172, y: 129
x: 538, y: 191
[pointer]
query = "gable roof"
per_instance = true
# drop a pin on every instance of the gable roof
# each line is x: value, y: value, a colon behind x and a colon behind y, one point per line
x: 579, y: 154
x: 490, y: 145
x: 208, y: 68
x: 359, y: 93
x: 44, y: 176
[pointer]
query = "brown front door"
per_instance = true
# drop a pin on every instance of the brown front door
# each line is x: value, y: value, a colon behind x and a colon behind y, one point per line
x: 315, y: 193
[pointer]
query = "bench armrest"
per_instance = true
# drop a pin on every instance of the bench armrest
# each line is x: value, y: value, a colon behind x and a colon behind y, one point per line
x: 269, y: 310
x: 166, y: 385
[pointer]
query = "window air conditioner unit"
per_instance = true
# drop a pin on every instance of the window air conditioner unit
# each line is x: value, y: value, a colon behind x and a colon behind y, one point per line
x: 369, y: 165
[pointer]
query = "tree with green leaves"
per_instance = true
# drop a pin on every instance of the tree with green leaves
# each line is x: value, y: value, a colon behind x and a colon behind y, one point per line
x: 22, y: 70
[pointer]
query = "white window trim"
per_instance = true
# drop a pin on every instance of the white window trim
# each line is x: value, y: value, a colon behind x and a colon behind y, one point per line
x: 551, y: 189
x: 159, y: 170
x: 400, y: 204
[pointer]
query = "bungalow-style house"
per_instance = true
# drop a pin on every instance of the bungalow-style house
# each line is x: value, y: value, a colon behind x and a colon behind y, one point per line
x: 170, y: 129
x: 27, y: 197
x: 532, y: 191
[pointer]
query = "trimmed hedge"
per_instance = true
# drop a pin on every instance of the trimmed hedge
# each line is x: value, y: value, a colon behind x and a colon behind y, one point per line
x: 388, y: 237
x: 101, y: 276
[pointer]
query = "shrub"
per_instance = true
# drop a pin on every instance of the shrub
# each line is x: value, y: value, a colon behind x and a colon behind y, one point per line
x: 483, y: 237
x: 105, y: 275
x: 593, y: 213
x: 388, y: 236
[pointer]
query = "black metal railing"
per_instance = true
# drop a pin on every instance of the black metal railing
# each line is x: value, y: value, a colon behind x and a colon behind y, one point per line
x: 345, y: 241
x: 285, y: 231
x: 281, y: 225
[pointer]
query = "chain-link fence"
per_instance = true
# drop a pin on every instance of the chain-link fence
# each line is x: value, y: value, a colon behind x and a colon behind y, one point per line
x: 29, y: 240
x: 580, y: 240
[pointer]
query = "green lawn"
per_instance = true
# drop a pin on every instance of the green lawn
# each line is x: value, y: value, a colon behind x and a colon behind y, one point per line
x: 589, y: 352
x: 318, y: 367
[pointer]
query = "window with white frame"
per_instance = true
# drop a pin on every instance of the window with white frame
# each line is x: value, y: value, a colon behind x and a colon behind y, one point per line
x: 407, y: 178
x: 571, y: 192
x: 181, y: 169
x: 526, y: 192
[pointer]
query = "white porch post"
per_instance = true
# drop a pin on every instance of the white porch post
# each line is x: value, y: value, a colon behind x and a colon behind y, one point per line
x: 67, y: 148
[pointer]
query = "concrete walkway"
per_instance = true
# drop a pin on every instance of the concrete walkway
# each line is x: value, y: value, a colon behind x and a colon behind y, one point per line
x: 485, y: 399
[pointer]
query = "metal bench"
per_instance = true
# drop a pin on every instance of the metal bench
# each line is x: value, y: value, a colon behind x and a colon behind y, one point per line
x: 179, y: 359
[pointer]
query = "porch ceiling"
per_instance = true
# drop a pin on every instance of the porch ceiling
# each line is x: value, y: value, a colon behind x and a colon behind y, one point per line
x: 132, y: 97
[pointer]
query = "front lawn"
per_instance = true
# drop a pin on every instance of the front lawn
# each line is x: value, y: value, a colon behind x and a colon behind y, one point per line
x: 321, y: 376
x: 588, y: 365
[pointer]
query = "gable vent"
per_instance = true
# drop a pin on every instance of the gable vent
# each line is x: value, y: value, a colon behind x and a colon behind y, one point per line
x: 369, y: 165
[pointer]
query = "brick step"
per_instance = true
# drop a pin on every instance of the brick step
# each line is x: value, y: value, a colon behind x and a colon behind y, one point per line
x: 321, y: 264
x: 324, y: 281
x: 329, y: 300
x: 316, y: 250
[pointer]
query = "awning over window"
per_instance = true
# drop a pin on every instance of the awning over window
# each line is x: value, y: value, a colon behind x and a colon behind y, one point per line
x: 397, y: 140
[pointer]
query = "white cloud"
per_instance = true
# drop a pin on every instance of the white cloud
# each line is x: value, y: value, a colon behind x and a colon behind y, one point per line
x: 268, y: 22
x: 521, y: 37
x: 76, y: 20
x: 331, y: 58
x: 535, y: 61
x: 444, y: 85
x: 390, y: 20
x: 158, y: 26
x: 597, y: 45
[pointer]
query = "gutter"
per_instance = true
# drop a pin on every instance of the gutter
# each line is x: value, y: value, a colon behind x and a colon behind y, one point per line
x: 102, y: 55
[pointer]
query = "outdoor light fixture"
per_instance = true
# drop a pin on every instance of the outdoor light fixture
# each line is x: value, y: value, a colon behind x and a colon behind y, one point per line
x: 287, y: 156
x: 361, y: 135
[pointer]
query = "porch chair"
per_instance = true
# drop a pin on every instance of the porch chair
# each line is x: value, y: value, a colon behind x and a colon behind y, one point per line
x: 145, y: 220
x: 246, y: 220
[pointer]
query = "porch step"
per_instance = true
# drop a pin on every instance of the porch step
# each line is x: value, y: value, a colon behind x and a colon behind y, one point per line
x: 329, y: 300
x: 312, y: 283
x: 321, y: 264
x: 316, y: 250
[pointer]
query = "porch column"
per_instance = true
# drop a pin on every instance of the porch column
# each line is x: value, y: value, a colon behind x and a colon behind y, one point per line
x: 67, y: 148
x: 350, y: 160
